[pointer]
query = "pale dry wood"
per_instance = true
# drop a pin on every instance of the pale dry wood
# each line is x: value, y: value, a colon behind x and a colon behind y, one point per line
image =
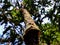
x: 30, y: 26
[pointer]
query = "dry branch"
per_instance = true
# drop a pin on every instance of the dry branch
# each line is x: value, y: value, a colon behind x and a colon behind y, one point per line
x: 32, y: 32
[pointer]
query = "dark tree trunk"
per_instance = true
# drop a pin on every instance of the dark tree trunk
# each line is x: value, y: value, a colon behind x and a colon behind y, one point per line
x: 48, y: 42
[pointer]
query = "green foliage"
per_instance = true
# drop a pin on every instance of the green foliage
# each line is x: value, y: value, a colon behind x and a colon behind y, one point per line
x: 50, y: 32
x: 17, y: 16
x: 30, y: 6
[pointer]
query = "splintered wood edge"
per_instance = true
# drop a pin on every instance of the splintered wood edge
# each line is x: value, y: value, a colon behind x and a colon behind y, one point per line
x: 30, y: 28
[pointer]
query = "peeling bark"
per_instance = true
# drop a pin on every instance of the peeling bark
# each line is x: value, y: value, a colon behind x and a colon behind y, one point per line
x: 32, y: 32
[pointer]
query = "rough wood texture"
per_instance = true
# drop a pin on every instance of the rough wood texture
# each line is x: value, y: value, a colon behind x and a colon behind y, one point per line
x: 32, y: 32
x: 28, y: 20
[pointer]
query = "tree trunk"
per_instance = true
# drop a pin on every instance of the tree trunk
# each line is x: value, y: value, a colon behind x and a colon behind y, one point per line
x: 48, y: 43
x: 32, y: 32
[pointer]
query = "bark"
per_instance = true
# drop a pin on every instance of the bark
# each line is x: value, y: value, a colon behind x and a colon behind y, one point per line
x: 4, y: 40
x: 32, y: 32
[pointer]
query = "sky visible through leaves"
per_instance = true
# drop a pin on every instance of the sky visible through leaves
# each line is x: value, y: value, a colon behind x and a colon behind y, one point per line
x: 47, y: 18
x: 2, y: 26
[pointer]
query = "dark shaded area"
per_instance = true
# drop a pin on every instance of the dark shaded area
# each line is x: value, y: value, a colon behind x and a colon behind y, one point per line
x: 31, y: 37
